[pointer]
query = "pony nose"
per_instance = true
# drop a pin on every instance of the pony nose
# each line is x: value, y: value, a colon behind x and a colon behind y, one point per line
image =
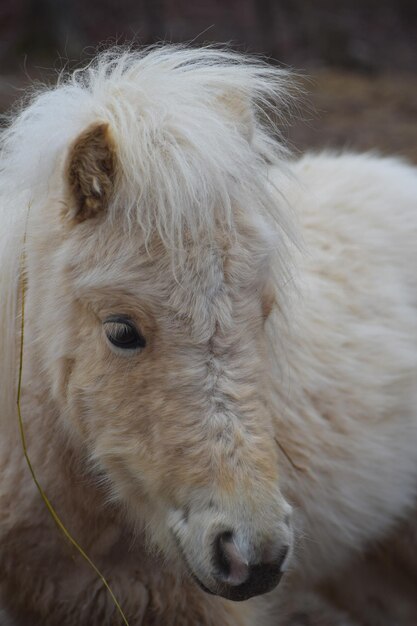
x: 245, y: 579
x: 232, y: 566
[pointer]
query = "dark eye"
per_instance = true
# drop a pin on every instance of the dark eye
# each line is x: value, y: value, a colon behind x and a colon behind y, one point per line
x: 122, y: 333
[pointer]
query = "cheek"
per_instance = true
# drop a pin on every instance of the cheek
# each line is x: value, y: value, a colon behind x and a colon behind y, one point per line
x: 83, y: 377
x: 268, y: 303
x: 107, y: 395
x: 62, y: 374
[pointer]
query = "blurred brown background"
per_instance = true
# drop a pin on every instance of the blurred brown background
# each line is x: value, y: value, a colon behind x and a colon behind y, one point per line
x: 360, y: 57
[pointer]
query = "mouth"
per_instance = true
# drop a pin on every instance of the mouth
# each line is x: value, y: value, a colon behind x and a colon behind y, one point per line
x: 199, y: 583
x: 265, y: 581
x: 261, y: 580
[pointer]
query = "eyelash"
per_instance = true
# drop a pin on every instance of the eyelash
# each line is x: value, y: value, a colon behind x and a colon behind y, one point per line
x: 122, y: 333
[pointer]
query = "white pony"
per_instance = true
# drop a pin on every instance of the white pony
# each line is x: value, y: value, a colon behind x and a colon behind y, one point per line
x: 220, y: 347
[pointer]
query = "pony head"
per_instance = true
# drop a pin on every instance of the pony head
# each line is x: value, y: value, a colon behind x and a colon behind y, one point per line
x: 152, y: 235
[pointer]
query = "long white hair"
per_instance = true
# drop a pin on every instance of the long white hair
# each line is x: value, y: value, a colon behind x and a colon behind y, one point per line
x: 184, y: 160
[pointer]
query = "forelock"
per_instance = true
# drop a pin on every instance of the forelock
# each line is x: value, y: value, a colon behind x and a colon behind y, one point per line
x: 183, y: 162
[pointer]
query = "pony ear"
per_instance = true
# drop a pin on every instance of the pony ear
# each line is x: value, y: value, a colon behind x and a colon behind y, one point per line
x: 91, y: 169
x: 239, y: 107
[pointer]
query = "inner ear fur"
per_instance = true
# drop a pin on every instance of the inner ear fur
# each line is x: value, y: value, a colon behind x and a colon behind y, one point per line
x: 91, y: 171
x: 240, y: 108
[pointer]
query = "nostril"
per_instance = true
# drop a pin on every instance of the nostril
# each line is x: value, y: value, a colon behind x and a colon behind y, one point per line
x: 231, y: 566
x: 222, y: 562
x: 282, y: 557
x: 274, y: 554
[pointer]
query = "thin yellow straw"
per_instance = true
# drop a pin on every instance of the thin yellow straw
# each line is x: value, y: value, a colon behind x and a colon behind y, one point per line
x: 46, y: 500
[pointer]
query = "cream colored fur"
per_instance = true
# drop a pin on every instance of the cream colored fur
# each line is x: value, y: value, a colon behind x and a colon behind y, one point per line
x: 277, y: 392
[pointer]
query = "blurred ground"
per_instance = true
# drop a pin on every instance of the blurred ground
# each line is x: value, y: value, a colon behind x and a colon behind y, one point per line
x: 359, y: 112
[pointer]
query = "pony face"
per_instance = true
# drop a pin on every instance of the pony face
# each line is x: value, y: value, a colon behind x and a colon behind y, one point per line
x: 151, y: 334
x: 164, y: 382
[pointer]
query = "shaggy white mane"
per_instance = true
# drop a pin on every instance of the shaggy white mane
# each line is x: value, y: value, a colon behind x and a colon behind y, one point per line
x: 195, y: 135
x: 177, y: 148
